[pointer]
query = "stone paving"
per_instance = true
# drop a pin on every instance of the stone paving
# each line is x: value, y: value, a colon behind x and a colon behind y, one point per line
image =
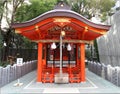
x: 93, y: 84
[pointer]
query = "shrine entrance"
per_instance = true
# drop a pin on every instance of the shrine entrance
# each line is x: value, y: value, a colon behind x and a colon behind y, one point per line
x: 61, y: 35
x: 68, y: 57
x: 69, y: 66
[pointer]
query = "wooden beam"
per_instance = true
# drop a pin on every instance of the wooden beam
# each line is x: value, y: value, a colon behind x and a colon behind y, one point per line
x: 37, y: 30
x: 84, y: 32
x: 99, y: 31
x: 67, y: 41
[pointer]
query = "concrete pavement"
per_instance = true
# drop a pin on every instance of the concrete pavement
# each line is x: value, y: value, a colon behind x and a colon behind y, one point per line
x: 93, y: 84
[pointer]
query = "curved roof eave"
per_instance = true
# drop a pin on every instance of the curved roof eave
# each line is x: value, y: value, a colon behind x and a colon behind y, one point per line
x: 60, y: 12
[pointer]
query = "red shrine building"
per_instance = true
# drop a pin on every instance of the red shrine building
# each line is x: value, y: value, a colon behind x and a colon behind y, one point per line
x: 61, y: 35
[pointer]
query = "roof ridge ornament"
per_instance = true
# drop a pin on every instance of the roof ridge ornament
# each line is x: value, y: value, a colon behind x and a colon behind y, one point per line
x: 62, y: 5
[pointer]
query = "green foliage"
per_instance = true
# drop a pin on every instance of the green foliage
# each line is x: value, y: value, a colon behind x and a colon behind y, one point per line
x: 66, y: 1
x: 1, y: 7
x: 1, y: 41
x: 96, y: 49
x: 4, y: 63
x: 103, y: 16
x: 87, y: 54
x: 106, y: 5
x: 27, y: 44
x: 83, y: 7
x: 22, y: 42
x: 89, y: 8
x: 37, y: 7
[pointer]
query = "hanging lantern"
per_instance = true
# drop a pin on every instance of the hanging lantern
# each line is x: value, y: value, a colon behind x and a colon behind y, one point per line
x: 69, y: 47
x: 53, y: 46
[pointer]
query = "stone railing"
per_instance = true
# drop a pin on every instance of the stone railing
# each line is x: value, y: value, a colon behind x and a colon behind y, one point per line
x: 107, y: 72
x: 11, y: 73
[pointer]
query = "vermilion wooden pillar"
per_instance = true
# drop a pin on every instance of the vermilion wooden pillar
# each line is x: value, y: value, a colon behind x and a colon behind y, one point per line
x: 39, y: 69
x: 82, y: 61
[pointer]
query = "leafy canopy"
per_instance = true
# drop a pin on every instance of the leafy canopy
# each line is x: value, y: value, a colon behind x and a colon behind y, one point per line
x: 89, y: 8
x: 37, y: 7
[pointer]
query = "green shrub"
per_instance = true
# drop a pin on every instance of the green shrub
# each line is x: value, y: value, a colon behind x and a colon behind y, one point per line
x: 4, y: 63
